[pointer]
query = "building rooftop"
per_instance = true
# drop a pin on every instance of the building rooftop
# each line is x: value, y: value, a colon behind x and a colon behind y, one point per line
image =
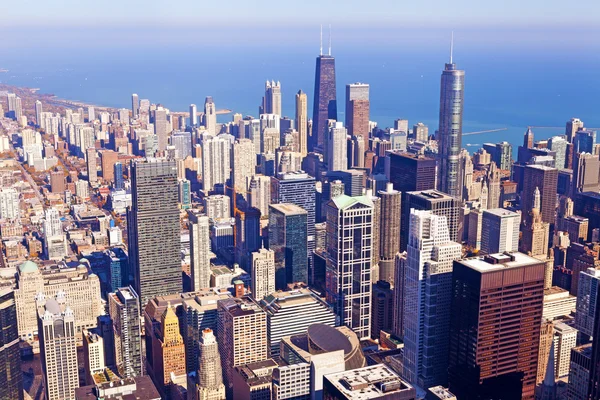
x: 494, y: 262
x: 442, y: 393
x: 345, y: 201
x: 431, y: 194
x: 370, y: 382
x: 501, y: 212
x: 288, y: 208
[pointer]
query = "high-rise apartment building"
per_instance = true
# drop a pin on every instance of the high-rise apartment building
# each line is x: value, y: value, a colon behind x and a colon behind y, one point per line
x: 350, y: 222
x: 500, y: 231
x: 337, y: 155
x: 216, y: 162
x: 288, y: 240
x: 263, y: 273
x: 389, y: 233
x: 108, y: 159
x: 9, y: 203
x: 241, y: 334
x: 495, y: 326
x: 259, y: 193
x: 450, y: 130
x: 302, y: 122
x: 243, y: 165
x: 427, y: 292
x: 546, y: 179
x: 217, y: 206
x: 161, y: 128
x: 357, y: 109
x: 38, y: 112
x: 565, y: 338
x: 58, y: 347
x: 154, y: 230
x: 135, y: 105
x: 325, y: 103
x: 124, y: 311
x: 11, y: 375
x: 193, y: 115
x: 587, y: 297
x: 210, y: 116
x: 199, y: 227
x: 209, y: 384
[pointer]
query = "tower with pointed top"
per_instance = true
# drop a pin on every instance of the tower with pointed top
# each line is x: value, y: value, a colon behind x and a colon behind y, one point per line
x: 210, y: 375
x: 172, y: 350
x: 272, y: 100
x: 324, y: 104
x: 450, y: 128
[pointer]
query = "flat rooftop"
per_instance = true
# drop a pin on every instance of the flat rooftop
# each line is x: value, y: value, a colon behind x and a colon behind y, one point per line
x: 371, y: 382
x: 289, y: 209
x: 500, y: 261
x: 501, y: 212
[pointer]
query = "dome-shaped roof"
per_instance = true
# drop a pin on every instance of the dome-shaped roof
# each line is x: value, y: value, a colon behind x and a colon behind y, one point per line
x: 28, y: 266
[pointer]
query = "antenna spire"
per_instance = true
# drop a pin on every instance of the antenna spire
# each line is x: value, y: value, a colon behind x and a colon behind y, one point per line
x: 321, y: 48
x: 451, y: 46
x: 329, y: 39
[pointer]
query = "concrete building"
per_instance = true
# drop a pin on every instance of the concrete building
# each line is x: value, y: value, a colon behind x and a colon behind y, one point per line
x: 199, y: 228
x: 546, y: 180
x: 243, y: 165
x: 389, y: 231
x: 209, y: 376
x: 210, y: 116
x: 216, y: 163
x: 263, y: 273
x: 259, y: 193
x: 337, y: 155
x: 9, y: 203
x: 565, y: 339
x: 217, y: 206
x: 500, y: 231
x: 350, y: 223
x: 124, y: 311
x: 302, y: 122
x: 93, y: 353
x: 585, y: 173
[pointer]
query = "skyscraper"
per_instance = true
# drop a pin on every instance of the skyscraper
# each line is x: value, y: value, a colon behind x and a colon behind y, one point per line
x: 199, y: 250
x: 428, y: 293
x: 263, y: 273
x: 350, y: 224
x: 153, y: 229
x: 450, y: 130
x: 573, y: 126
x: 135, y: 105
x: 124, y: 311
x: 302, y: 122
x: 243, y: 165
x: 495, y: 326
x: 390, y: 232
x: 259, y: 193
x: 210, y: 374
x: 272, y: 99
x: 215, y: 162
x: 10, y: 355
x: 357, y: 113
x: 193, y: 115
x: 324, y: 104
x: 500, y: 231
x: 546, y: 180
x: 288, y: 239
x: 337, y: 156
x: 210, y: 116
x: 118, y: 176
x: 56, y: 330
x: 172, y: 351
x: 161, y: 128
x: 586, y: 175
x: 558, y: 144
x: 38, y: 113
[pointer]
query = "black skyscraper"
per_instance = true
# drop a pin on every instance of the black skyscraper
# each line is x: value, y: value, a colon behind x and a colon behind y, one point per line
x: 324, y: 105
x: 11, y: 378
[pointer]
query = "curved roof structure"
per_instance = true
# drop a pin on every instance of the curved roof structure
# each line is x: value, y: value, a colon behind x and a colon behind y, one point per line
x: 28, y: 266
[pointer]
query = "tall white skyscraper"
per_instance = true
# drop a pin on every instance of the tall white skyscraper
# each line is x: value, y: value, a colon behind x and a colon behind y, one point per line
x: 9, y: 203
x: 135, y: 105
x: 272, y: 99
x: 58, y: 346
x: 263, y: 273
x: 91, y: 114
x: 337, y: 153
x: 38, y: 113
x: 302, y: 122
x: 500, y: 231
x: 427, y: 298
x: 193, y: 115
x: 210, y: 116
x: 243, y: 164
x: 259, y: 193
x: 199, y: 250
x: 350, y: 223
x: 161, y: 127
x: 215, y: 161
x: 52, y: 224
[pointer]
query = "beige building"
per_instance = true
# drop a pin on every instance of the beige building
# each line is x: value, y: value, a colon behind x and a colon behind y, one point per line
x: 263, y: 273
x: 80, y: 288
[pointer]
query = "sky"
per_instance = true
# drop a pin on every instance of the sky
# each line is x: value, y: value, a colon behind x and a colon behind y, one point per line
x: 27, y: 23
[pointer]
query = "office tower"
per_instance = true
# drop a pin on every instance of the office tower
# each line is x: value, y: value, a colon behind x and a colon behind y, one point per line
x: 243, y: 165
x: 217, y: 206
x: 272, y: 100
x: 579, y: 372
x: 108, y: 158
x: 38, y: 113
x: 350, y: 226
x: 135, y: 105
x: 501, y: 154
x: 161, y: 128
x: 288, y: 240
x: 565, y: 338
x: 9, y: 203
x: 576, y: 227
x: 247, y: 234
x: 193, y: 115
x: 259, y: 193
x: 209, y: 384
x: 382, y: 314
x: 215, y: 162
x: 199, y: 228
x: 299, y: 189
x: 210, y: 116
x: 337, y: 156
x: 438, y: 203
x: 10, y: 356
x: 545, y: 179
x: 500, y: 231
x: 427, y: 292
x: 390, y: 232
x: 488, y: 353
x: 558, y: 144
x: 420, y: 132
x: 357, y: 109
x: 184, y: 194
x: 324, y: 104
x: 291, y: 312
x: 57, y: 182
x: 492, y: 180
x: 359, y: 151
x: 410, y: 172
x: 585, y: 173
x: 172, y: 355
x: 182, y: 141
x: 153, y: 219
x: 93, y: 353
x: 587, y: 296
x: 584, y: 141
x: 573, y: 126
x: 241, y: 334
x: 302, y: 122
x: 263, y: 273
x: 124, y: 311
x: 118, y: 176
x: 528, y: 138
x: 450, y: 131
x: 56, y: 331
x: 535, y: 232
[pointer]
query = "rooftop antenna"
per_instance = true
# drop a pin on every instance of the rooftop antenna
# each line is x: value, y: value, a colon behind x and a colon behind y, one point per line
x: 329, y: 39
x: 321, y: 48
x: 451, y: 46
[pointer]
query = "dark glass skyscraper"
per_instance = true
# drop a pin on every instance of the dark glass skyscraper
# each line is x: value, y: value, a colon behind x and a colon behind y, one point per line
x: 10, y: 356
x: 153, y: 229
x: 325, y: 104
x: 450, y: 130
